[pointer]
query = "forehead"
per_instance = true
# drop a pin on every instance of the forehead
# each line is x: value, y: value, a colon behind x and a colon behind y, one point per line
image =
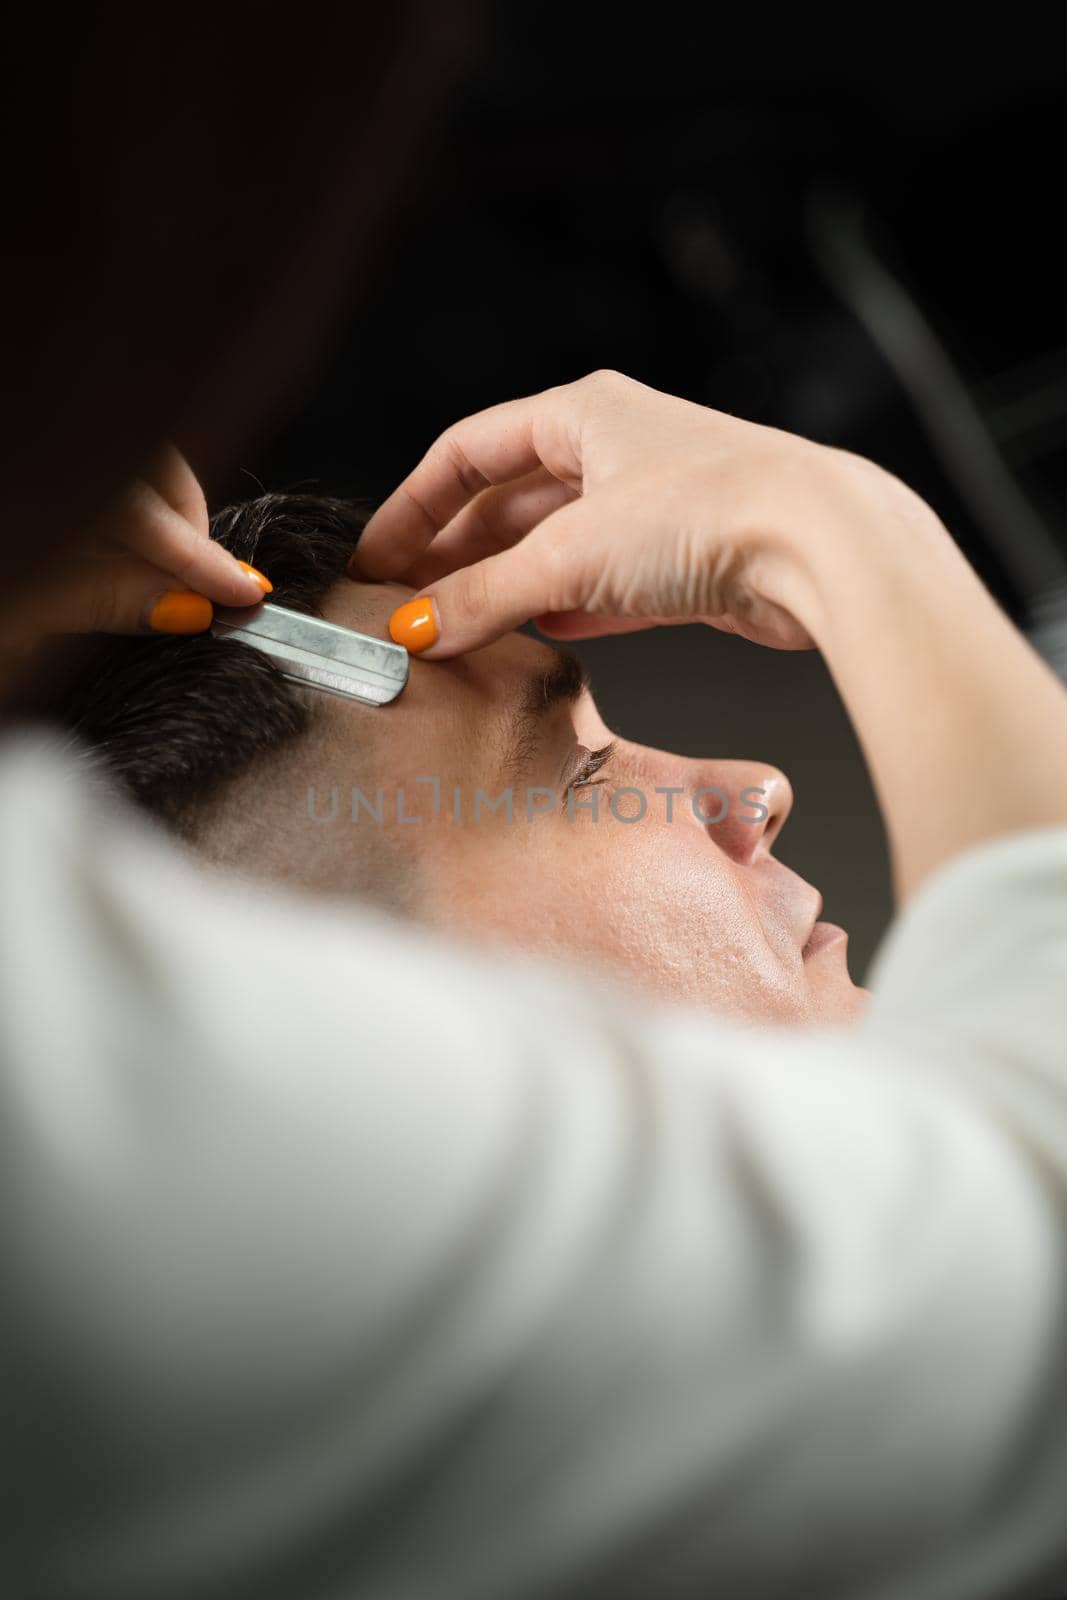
x: 456, y: 693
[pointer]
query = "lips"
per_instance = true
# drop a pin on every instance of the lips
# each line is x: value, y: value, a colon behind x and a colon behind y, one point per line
x: 821, y: 937
x: 804, y: 904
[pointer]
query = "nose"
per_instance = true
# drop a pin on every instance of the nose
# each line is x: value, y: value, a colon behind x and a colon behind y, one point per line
x: 758, y: 798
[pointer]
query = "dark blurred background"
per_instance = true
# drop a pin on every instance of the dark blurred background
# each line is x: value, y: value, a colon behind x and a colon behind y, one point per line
x: 857, y: 242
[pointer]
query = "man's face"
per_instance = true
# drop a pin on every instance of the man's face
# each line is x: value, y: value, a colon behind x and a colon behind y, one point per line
x: 690, y: 908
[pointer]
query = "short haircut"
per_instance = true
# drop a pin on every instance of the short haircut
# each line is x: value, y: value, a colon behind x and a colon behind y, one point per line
x: 173, y: 722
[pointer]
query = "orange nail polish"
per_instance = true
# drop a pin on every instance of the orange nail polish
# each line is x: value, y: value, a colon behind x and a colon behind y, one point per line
x: 261, y: 578
x: 180, y: 611
x: 413, y: 624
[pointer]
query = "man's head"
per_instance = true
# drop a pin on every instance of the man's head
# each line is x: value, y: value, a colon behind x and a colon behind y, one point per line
x: 489, y: 798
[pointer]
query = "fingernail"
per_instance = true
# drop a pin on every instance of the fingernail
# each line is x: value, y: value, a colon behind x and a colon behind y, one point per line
x: 260, y: 577
x: 179, y: 611
x: 414, y: 624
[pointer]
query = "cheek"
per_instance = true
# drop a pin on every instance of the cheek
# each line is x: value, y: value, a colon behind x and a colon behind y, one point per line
x: 686, y: 909
x: 533, y: 883
x: 655, y: 903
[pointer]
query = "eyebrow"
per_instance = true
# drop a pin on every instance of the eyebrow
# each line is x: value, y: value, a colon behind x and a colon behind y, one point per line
x: 561, y: 683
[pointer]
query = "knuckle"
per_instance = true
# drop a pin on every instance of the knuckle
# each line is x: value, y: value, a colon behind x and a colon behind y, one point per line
x: 485, y: 586
x: 491, y: 516
x: 188, y: 569
x: 473, y: 593
x: 472, y: 479
x: 480, y: 516
x: 607, y: 379
x: 416, y: 506
x: 558, y: 567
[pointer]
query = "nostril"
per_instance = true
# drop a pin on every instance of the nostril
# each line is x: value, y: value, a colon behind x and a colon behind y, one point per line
x: 757, y: 805
x: 777, y: 798
x: 711, y: 803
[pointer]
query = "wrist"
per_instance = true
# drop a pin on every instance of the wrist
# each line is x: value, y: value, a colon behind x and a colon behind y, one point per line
x: 866, y: 542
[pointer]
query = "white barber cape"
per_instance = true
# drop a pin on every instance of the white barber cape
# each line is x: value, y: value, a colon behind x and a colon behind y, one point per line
x: 340, y: 1261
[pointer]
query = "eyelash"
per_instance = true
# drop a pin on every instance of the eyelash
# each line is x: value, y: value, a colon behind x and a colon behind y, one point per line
x: 592, y: 764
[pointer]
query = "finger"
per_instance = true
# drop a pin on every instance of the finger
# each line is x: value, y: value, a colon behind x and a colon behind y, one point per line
x: 495, y: 519
x: 144, y: 524
x: 175, y: 480
x: 491, y: 447
x: 474, y: 605
x: 116, y: 594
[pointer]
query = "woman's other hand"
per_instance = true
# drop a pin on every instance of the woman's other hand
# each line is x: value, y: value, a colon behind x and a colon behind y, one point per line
x: 147, y: 564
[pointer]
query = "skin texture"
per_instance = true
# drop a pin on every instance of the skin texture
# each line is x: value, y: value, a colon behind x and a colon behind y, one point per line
x: 696, y: 911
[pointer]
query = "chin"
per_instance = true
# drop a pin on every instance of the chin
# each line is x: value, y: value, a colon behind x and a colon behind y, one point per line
x: 843, y: 1003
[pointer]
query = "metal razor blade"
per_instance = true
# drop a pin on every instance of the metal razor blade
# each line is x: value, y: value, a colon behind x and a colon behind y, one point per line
x: 320, y: 654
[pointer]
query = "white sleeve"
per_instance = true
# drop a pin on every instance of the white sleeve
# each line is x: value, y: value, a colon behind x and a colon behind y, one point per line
x: 340, y: 1260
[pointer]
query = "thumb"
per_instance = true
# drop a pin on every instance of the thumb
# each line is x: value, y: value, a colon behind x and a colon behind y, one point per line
x: 473, y: 606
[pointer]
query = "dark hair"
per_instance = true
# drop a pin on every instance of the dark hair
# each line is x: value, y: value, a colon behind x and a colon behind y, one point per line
x: 173, y: 721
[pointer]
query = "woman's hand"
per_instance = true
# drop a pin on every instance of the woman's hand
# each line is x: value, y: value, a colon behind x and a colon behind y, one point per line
x: 603, y: 506
x: 147, y: 565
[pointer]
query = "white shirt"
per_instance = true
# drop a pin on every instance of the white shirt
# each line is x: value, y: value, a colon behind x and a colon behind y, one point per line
x: 342, y: 1260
